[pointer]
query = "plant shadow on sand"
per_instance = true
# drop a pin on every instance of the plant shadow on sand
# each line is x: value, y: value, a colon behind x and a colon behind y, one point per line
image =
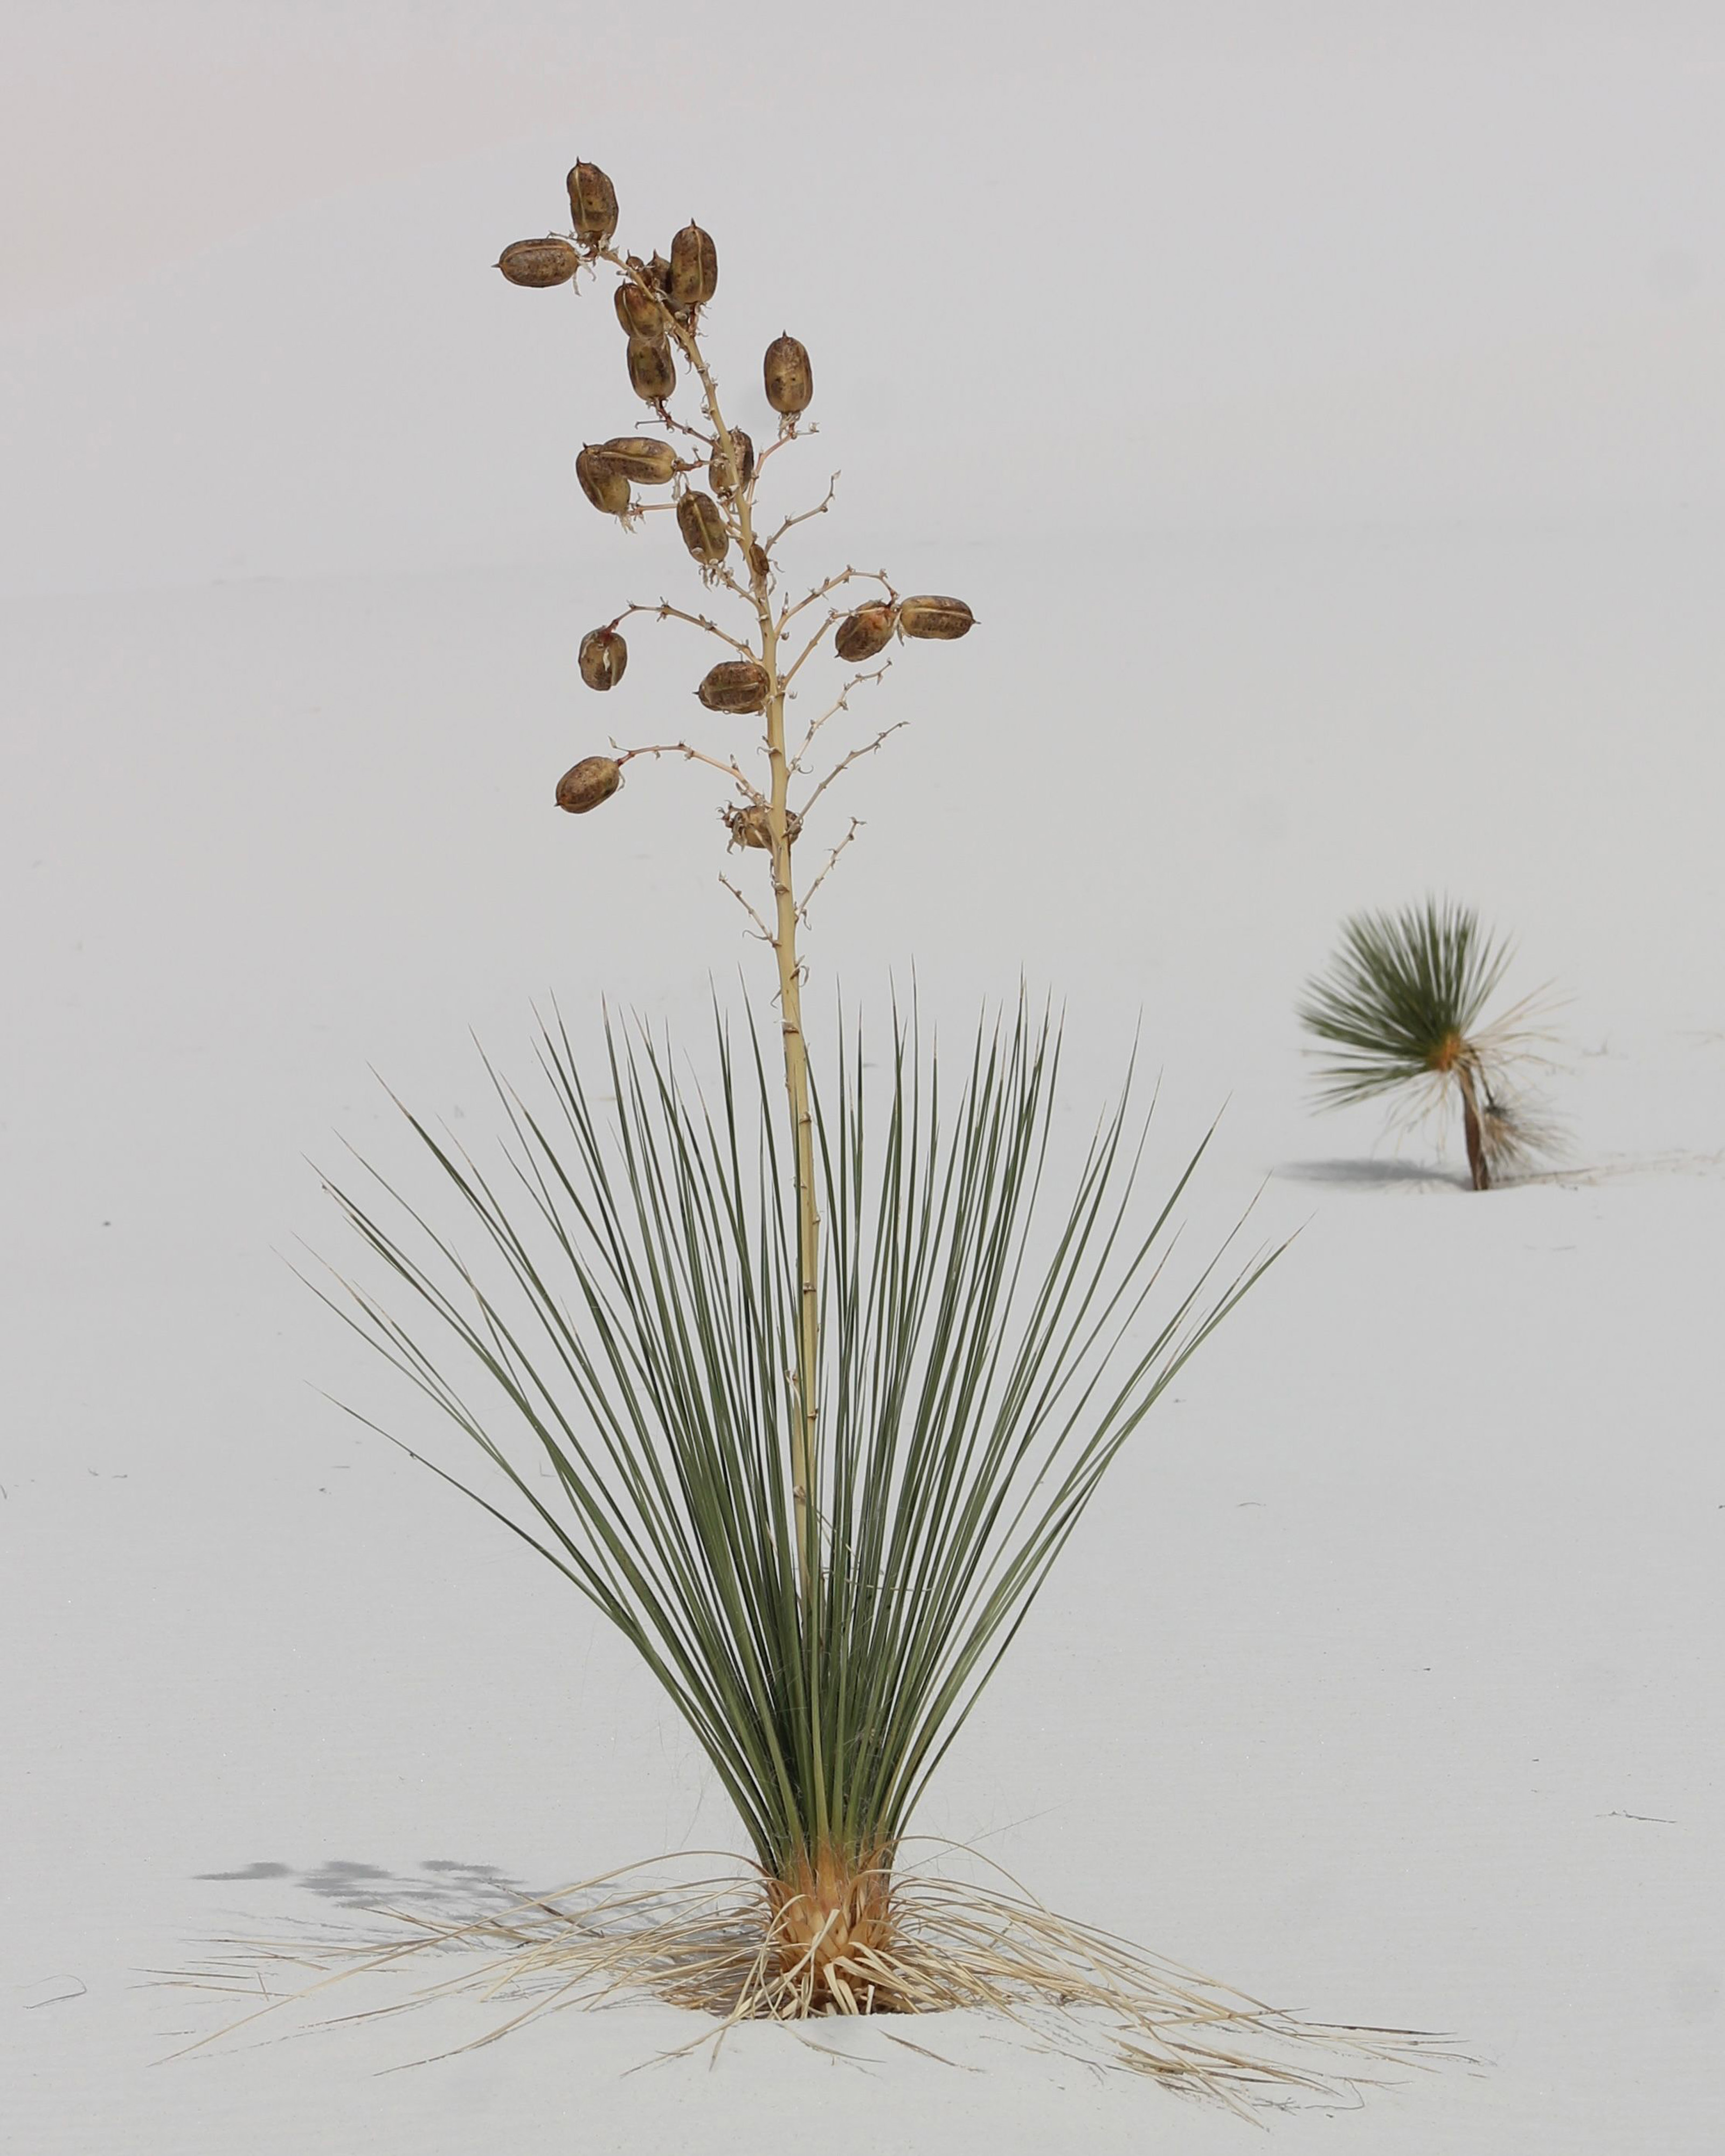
x: 1371, y: 1174
x: 1358, y: 1174
x: 452, y: 1888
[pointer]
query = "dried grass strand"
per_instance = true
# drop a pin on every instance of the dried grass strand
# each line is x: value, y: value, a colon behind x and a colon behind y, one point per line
x: 712, y: 1945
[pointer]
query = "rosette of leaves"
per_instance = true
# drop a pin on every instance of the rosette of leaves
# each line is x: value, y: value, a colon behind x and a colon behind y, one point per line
x: 989, y: 1340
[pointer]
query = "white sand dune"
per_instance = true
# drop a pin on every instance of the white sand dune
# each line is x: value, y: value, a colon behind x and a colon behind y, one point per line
x: 1387, y: 1683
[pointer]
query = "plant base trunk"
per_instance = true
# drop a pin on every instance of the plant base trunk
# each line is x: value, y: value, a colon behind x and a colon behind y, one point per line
x: 832, y: 1934
x: 1477, y: 1165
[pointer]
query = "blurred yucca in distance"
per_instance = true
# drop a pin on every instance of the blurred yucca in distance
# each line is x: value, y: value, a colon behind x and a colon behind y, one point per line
x: 1400, y: 1007
x: 825, y: 1374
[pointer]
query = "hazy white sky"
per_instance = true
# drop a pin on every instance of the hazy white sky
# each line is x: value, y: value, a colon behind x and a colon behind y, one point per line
x: 1083, y: 268
x: 166, y: 125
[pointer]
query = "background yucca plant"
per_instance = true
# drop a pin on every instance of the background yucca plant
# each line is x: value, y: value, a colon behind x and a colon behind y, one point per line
x: 1402, y: 1002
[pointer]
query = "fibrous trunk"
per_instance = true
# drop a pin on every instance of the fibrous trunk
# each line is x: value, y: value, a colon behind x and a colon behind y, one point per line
x: 831, y: 1933
x: 1477, y: 1165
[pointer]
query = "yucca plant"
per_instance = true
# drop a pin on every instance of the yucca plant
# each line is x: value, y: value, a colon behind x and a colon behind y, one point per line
x: 823, y: 1606
x: 823, y: 1375
x: 1401, y: 1006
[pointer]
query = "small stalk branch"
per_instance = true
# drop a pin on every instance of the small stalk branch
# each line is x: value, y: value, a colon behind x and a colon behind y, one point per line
x: 761, y: 929
x: 787, y: 434
x: 820, y: 509
x: 844, y: 576
x: 695, y: 434
x: 844, y: 763
x: 695, y: 755
x: 841, y: 702
x: 666, y: 612
x: 721, y: 575
x: 827, y: 868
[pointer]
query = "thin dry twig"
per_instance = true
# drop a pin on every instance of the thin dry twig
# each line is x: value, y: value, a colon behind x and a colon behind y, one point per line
x: 694, y: 756
x: 695, y: 433
x: 844, y: 576
x: 666, y: 612
x: 827, y: 868
x: 720, y: 573
x: 789, y: 432
x: 844, y: 763
x: 761, y: 928
x: 840, y: 703
x: 820, y: 509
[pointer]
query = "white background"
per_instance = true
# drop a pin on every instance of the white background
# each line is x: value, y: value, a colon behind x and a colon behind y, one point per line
x: 1320, y: 406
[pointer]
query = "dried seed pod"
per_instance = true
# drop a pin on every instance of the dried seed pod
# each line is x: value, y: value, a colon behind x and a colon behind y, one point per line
x: 760, y: 562
x: 748, y: 826
x: 861, y: 634
x: 789, y: 377
x: 651, y: 373
x: 604, y: 488
x: 602, y: 657
x: 693, y: 277
x: 701, y: 522
x: 640, y: 313
x: 585, y: 784
x: 927, y: 615
x: 593, y: 204
x: 658, y: 274
x: 539, y: 262
x: 639, y: 458
x: 727, y: 473
x: 736, y: 685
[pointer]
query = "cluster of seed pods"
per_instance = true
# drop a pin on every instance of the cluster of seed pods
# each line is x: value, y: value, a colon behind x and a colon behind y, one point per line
x: 652, y: 295
x: 867, y: 632
x: 655, y: 300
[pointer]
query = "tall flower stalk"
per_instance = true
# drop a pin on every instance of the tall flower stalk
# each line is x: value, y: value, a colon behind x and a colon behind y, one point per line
x: 855, y: 1635
x: 659, y: 304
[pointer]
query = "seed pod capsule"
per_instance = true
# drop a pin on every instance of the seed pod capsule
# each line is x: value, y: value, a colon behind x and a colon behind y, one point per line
x: 539, y: 262
x: 606, y: 490
x: 727, y: 473
x: 789, y: 377
x: 593, y: 204
x: 701, y: 522
x: 861, y: 634
x: 927, y: 615
x: 748, y: 826
x: 658, y: 274
x: 640, y: 313
x: 694, y: 274
x: 602, y: 657
x: 585, y: 784
x: 639, y: 458
x: 736, y: 685
x: 651, y: 373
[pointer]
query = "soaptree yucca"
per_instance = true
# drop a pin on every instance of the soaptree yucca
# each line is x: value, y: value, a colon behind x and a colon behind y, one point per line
x: 804, y: 1379
x: 1401, y: 1008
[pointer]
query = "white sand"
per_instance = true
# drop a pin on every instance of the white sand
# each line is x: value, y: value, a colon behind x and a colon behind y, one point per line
x: 1386, y: 1680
